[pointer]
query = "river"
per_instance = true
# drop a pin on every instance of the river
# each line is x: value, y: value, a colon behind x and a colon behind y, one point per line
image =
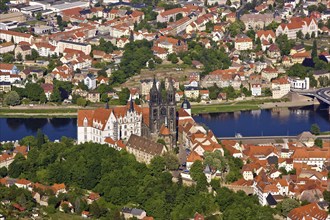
x: 248, y: 123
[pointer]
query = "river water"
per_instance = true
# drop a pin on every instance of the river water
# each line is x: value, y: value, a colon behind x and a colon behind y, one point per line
x: 248, y: 123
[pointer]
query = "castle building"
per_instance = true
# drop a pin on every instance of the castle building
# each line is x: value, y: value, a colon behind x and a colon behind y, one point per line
x: 162, y: 113
x: 156, y: 121
x: 117, y: 123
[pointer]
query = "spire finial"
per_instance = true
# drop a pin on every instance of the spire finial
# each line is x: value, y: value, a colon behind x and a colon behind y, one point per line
x: 131, y: 104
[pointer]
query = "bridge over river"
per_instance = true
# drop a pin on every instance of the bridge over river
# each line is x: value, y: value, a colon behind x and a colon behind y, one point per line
x: 323, y: 95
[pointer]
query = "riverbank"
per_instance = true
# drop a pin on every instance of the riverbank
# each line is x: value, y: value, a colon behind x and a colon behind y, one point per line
x: 197, y: 108
x: 38, y: 113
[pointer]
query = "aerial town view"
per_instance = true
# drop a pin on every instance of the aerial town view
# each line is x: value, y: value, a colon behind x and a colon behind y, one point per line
x: 165, y: 109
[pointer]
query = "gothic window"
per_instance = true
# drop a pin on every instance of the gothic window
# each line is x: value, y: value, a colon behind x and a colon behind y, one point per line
x: 154, y: 97
x: 170, y: 97
x: 155, y: 113
x: 163, y: 111
x: 172, y: 112
x: 155, y: 124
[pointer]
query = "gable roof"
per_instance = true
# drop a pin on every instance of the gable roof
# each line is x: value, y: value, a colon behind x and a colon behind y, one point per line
x: 145, y: 145
x: 310, y: 211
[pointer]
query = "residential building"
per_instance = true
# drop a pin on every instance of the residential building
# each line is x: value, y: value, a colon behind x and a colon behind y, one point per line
x: 5, y: 86
x: 306, y: 25
x: 314, y: 157
x: 133, y: 213
x: 45, y: 49
x: 310, y: 211
x: 90, y: 81
x: 258, y: 21
x: 48, y: 89
x: 62, y: 45
x: 23, y: 49
x: 269, y: 73
x: 280, y: 87
x: 256, y: 89
x: 93, y: 96
x: 6, y: 47
x: 17, y: 37
x: 297, y: 83
x: 191, y: 92
x: 143, y: 148
x: 243, y: 42
x: 171, y: 44
x: 267, y: 35
x: 10, y: 68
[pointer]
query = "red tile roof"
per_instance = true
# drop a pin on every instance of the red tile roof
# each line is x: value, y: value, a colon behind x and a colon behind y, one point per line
x: 310, y: 211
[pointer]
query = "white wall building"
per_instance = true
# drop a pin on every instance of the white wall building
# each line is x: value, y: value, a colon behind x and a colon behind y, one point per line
x: 256, y: 89
x: 116, y: 123
x: 90, y: 81
x: 299, y: 83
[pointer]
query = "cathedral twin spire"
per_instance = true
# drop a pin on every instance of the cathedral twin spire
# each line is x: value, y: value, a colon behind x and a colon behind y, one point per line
x: 156, y: 96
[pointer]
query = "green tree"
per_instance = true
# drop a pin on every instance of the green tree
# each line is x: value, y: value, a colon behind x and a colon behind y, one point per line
x: 178, y: 16
x: 56, y: 96
x: 324, y: 81
x: 12, y: 98
x: 236, y: 28
x: 284, y: 44
x: 43, y: 98
x: 307, y: 36
x: 315, y: 129
x: 171, y: 161
x: 34, y: 91
x: 272, y: 26
x: 287, y: 205
x: 40, y: 138
x: 251, y: 34
x: 151, y: 64
x: 173, y: 58
x: 3, y: 6
x: 326, y: 195
x: 17, y: 167
x: 81, y: 101
x: 314, y: 49
x: 215, y: 160
x: 197, y: 174
x: 3, y: 172
x: 313, y: 35
x: 300, y: 34
x: 8, y: 58
x: 39, y: 16
x: 19, y: 57
x: 157, y: 164
x: 319, y: 142
x: 124, y: 96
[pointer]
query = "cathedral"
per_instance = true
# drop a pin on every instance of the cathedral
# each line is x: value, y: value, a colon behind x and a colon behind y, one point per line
x: 156, y: 121
x: 162, y: 113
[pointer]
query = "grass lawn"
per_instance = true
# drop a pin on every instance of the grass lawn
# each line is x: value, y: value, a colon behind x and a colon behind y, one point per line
x: 62, y: 110
x: 222, y: 108
x: 64, y: 216
x: 38, y: 113
x: 325, y: 133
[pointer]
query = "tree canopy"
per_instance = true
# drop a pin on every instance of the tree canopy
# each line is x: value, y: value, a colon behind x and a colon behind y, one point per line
x: 121, y: 180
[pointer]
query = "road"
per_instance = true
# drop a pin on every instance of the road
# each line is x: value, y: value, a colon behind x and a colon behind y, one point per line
x: 322, y: 94
x: 268, y: 137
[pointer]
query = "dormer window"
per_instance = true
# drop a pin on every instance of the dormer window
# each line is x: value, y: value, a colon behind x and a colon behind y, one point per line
x: 85, y: 122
